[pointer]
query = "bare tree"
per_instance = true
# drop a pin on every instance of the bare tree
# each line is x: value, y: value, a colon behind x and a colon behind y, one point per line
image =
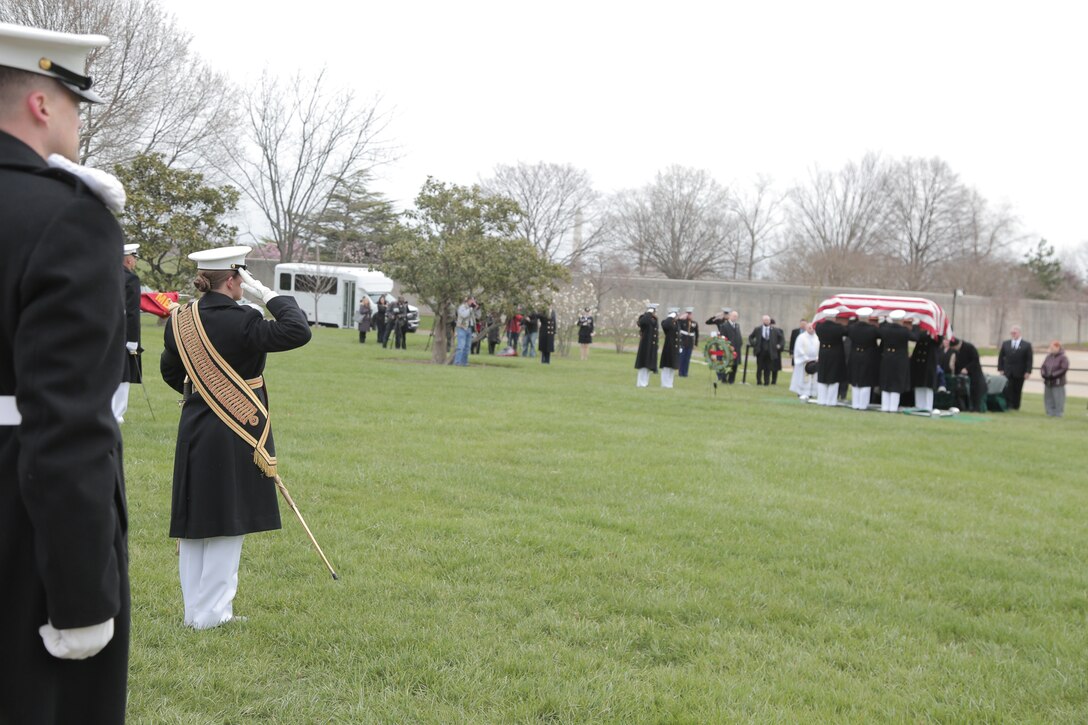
x: 677, y: 226
x: 558, y: 205
x: 835, y: 225
x: 302, y: 140
x: 925, y: 202
x: 160, y: 98
x: 758, y: 216
x: 982, y: 260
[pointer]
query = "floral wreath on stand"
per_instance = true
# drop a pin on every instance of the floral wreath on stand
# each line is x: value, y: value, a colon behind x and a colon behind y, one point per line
x: 719, y: 354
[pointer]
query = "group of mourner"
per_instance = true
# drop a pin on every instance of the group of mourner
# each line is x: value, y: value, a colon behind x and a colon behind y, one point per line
x: 70, y: 347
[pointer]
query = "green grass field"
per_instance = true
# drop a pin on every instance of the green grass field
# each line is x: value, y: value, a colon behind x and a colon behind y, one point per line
x: 524, y: 543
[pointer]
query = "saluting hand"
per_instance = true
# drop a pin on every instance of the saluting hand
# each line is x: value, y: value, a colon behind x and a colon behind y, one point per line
x: 254, y: 287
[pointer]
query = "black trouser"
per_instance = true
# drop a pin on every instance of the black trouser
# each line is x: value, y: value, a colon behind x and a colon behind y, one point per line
x: 362, y: 336
x: 545, y: 357
x: 732, y: 375
x: 381, y: 331
x: 491, y: 346
x: 400, y: 343
x: 765, y: 375
x: 1013, y: 391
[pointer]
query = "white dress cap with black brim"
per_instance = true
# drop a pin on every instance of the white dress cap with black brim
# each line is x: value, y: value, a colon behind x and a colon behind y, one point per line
x: 62, y: 56
x: 689, y: 309
x: 131, y: 249
x: 897, y: 315
x: 221, y: 258
x: 864, y: 313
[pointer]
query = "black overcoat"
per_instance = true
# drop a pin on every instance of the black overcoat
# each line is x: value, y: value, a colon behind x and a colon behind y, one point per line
x: 670, y: 350
x: 923, y: 361
x: 647, y: 342
x: 771, y: 348
x: 832, y: 359
x: 546, y: 339
x: 894, y: 360
x: 218, y: 490
x: 736, y: 339
x: 864, y: 362
x: 63, y: 554
x: 1015, y: 363
x: 132, y: 372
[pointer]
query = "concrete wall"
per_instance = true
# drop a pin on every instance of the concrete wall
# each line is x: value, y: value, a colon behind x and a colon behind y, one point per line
x: 982, y: 320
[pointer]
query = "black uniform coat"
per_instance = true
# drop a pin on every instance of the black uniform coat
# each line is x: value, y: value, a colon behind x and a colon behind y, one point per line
x: 63, y: 555
x: 218, y: 489
x: 546, y: 340
x: 670, y: 351
x: 690, y: 340
x: 647, y: 342
x: 894, y: 360
x: 831, y: 363
x: 863, y: 365
x: 923, y: 361
x: 133, y: 372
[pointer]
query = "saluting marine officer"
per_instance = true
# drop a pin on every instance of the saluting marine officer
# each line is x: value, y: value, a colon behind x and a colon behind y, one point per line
x: 646, y: 357
x: 64, y: 613
x: 214, y: 353
x: 133, y: 371
x: 689, y: 338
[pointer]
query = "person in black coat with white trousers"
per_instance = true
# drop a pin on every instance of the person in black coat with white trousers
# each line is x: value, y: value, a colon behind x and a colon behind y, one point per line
x: 220, y: 493
x: 646, y: 357
x: 64, y: 613
x: 895, y: 335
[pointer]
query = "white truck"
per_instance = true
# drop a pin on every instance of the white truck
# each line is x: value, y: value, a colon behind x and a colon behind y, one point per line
x: 329, y: 294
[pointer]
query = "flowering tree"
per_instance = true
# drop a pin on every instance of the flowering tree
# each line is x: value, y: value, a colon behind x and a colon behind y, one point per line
x: 619, y: 317
x: 569, y: 303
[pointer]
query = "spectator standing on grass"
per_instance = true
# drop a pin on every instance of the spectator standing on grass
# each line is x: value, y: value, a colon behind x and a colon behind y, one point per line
x: 465, y: 326
x: 768, y: 343
x: 214, y: 353
x: 1014, y: 361
x: 530, y: 325
x: 399, y: 313
x: 363, y: 318
x: 380, y: 319
x: 585, y: 332
x: 64, y: 611
x: 1053, y: 371
x: 646, y: 357
x: 493, y: 334
x: 513, y: 331
x: 731, y: 331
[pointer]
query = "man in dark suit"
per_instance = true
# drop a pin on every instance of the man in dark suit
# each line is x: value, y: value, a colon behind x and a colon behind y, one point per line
x: 768, y: 342
x: 731, y: 331
x: 64, y: 614
x: 1014, y: 361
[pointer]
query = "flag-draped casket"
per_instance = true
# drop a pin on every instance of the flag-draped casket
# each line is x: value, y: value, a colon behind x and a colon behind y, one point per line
x: 927, y: 313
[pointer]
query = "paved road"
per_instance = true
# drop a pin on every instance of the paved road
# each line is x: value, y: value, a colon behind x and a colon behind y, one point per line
x: 1076, y: 380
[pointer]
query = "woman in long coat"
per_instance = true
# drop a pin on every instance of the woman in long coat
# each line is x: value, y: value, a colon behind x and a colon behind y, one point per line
x: 546, y: 340
x: 362, y: 318
x: 221, y: 492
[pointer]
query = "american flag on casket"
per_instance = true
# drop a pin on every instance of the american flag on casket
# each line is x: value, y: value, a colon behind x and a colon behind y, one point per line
x: 927, y: 313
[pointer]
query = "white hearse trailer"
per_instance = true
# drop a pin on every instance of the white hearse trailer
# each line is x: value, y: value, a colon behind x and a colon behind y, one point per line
x: 329, y: 294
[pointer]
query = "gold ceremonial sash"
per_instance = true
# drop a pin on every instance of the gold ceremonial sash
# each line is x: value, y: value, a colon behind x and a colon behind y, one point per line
x: 230, y: 396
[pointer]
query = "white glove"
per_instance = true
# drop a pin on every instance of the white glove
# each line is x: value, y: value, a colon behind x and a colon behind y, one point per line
x: 253, y: 287
x: 77, y: 643
x: 132, y: 347
x: 104, y: 184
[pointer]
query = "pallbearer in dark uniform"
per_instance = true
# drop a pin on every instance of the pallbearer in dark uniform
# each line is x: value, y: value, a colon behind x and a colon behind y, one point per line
x: 670, y: 348
x: 646, y: 357
x: 895, y: 335
x: 923, y: 369
x: 689, y: 338
x: 214, y: 354
x: 864, y: 363
x: 831, y: 364
x: 64, y: 611
x: 133, y: 370
x: 1014, y: 361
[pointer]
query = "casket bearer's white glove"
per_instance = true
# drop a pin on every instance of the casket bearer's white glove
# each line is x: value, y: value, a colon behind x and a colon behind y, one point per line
x: 253, y: 286
x: 77, y: 643
x: 133, y: 347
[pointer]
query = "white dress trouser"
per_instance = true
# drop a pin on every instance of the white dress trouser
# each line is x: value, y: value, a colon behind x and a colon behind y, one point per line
x: 860, y: 398
x: 827, y: 393
x: 120, y: 402
x: 667, y: 377
x: 889, y: 402
x: 643, y: 377
x: 208, y: 570
x: 923, y: 399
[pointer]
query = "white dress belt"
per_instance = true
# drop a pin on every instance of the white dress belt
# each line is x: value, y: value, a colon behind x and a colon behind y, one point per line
x: 9, y: 414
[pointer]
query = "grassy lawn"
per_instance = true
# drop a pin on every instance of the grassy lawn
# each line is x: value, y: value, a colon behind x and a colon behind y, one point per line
x: 529, y: 543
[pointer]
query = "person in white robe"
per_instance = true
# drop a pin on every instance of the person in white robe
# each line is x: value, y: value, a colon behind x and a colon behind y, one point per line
x: 805, y: 350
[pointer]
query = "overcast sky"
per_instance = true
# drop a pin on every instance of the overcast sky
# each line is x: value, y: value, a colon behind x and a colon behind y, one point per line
x: 625, y: 89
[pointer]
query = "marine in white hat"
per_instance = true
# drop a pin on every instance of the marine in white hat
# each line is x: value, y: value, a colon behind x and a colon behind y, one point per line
x: 646, y: 357
x: 64, y: 561
x: 133, y: 372
x: 689, y: 338
x: 670, y: 348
